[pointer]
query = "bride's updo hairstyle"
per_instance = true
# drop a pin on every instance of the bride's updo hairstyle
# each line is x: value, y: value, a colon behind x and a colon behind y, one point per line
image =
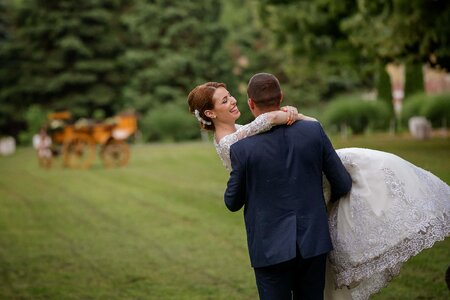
x: 201, y: 99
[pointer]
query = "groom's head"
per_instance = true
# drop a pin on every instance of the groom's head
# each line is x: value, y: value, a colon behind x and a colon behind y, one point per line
x: 264, y: 93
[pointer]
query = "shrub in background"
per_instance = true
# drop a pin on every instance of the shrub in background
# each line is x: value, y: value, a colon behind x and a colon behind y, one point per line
x: 412, y: 106
x: 437, y: 110
x: 357, y: 114
x: 169, y: 122
x: 35, y: 117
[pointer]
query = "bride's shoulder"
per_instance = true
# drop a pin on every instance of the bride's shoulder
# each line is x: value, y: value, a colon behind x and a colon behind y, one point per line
x: 238, y: 126
x: 218, y: 140
x: 226, y: 141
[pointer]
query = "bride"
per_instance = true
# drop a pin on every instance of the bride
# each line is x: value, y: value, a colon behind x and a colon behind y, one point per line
x: 393, y: 211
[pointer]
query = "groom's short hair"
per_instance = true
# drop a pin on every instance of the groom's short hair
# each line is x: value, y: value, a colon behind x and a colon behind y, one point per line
x: 264, y: 89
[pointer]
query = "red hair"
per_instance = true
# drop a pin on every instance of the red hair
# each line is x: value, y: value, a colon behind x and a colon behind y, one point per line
x: 201, y: 99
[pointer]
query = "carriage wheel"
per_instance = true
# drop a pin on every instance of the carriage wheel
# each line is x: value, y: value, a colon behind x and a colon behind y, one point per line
x: 115, y: 154
x: 79, y: 152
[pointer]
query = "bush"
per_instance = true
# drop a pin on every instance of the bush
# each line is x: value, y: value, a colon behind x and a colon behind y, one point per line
x: 169, y: 122
x: 35, y: 118
x: 412, y: 106
x: 357, y: 114
x: 437, y: 110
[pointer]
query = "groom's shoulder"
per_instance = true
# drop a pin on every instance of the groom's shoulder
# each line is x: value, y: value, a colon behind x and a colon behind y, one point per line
x: 251, y: 141
x: 301, y: 130
x: 241, y: 144
x: 307, y: 125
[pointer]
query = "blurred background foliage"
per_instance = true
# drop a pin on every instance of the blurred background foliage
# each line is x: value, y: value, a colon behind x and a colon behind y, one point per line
x: 100, y: 57
x: 354, y: 114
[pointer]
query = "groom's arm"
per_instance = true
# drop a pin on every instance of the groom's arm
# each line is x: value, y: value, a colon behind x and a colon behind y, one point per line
x: 235, y: 193
x: 334, y: 170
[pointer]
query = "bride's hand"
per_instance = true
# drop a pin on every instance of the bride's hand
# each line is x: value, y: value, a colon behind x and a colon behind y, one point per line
x: 292, y: 113
x: 286, y: 115
x: 305, y: 118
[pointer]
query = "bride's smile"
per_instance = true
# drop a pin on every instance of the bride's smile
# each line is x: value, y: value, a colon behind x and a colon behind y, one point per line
x: 234, y: 110
x: 225, y: 107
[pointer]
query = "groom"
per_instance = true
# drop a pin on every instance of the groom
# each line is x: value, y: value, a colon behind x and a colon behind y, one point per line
x: 277, y: 176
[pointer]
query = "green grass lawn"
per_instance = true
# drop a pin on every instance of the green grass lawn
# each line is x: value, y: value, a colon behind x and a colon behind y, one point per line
x: 158, y: 229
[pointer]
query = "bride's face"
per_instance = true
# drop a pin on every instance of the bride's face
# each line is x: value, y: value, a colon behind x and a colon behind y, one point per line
x: 225, y: 106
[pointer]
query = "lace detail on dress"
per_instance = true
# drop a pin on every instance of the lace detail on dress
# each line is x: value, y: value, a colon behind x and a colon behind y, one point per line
x: 381, y: 271
x: 260, y: 124
x: 370, y: 250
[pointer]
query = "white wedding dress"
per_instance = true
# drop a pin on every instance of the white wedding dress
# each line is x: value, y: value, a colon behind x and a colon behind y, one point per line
x: 393, y: 211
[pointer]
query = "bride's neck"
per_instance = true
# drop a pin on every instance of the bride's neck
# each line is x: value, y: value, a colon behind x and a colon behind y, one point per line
x: 223, y: 129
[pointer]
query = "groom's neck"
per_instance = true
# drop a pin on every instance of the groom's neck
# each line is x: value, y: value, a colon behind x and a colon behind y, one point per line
x: 261, y: 110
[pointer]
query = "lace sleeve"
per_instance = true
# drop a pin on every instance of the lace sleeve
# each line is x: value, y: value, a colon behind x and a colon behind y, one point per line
x: 260, y: 124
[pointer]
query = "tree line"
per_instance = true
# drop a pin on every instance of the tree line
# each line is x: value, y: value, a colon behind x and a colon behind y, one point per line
x: 96, y: 58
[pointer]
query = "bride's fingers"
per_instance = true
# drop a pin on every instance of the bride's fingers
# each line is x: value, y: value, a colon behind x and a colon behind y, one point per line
x: 292, y: 113
x: 293, y: 117
x: 289, y: 117
x: 300, y: 117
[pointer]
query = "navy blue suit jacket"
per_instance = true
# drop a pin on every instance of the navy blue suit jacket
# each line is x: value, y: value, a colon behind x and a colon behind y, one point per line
x: 277, y: 176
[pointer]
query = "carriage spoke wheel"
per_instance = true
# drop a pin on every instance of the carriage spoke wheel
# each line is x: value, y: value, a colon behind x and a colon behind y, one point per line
x: 79, y: 152
x: 115, y: 154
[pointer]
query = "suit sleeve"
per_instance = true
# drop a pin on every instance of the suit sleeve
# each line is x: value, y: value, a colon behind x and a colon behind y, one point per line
x: 235, y: 193
x: 337, y: 175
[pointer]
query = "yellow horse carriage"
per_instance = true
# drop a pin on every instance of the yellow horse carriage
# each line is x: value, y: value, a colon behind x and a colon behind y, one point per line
x: 77, y: 142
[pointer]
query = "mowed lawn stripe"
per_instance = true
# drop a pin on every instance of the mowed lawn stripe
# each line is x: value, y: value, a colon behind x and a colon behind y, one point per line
x: 156, y: 229
x: 116, y: 206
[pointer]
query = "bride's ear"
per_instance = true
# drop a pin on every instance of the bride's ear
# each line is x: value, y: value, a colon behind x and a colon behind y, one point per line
x: 209, y: 114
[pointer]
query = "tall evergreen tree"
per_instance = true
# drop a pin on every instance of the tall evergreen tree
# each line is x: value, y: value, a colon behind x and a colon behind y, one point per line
x: 320, y: 59
x: 3, y: 21
x: 10, y: 118
x: 412, y: 31
x: 174, y: 45
x: 107, y: 54
x: 251, y: 50
x: 68, y: 55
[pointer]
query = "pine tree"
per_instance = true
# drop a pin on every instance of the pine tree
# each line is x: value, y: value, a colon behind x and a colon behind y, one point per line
x: 107, y: 54
x: 174, y: 45
x: 3, y: 21
x: 413, y: 79
x: 10, y: 117
x: 68, y: 55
